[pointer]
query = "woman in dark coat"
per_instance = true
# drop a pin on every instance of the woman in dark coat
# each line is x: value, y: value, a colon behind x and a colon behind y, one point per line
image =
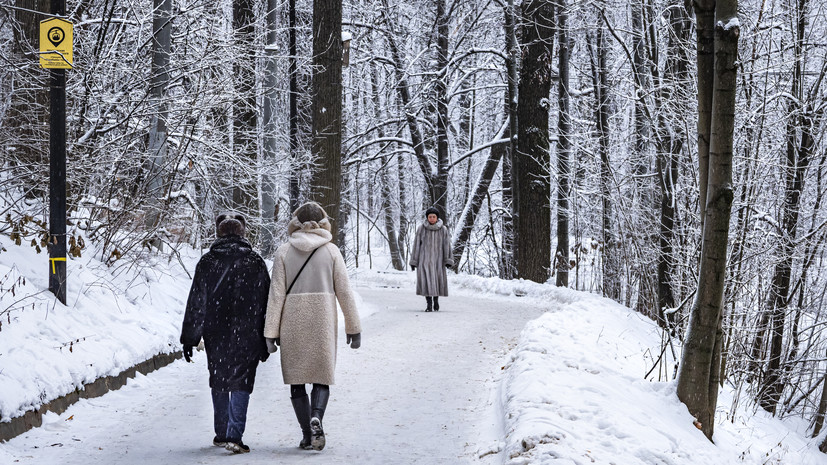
x: 226, y: 307
x: 430, y: 257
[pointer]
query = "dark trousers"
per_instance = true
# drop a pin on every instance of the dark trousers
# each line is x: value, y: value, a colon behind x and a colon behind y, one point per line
x: 230, y: 414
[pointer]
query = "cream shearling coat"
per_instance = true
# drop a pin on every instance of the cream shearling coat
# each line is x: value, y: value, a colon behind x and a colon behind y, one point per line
x: 306, y: 321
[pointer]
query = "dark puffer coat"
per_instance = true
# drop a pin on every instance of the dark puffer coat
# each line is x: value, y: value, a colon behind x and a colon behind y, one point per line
x: 226, y: 306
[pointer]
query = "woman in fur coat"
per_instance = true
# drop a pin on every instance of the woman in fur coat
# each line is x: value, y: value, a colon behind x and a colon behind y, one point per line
x: 309, y: 276
x: 430, y: 258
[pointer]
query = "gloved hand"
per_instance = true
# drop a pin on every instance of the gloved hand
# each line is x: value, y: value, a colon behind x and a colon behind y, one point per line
x: 355, y: 340
x: 188, y: 353
x: 448, y: 266
x: 272, y: 345
x: 413, y: 267
x: 264, y: 357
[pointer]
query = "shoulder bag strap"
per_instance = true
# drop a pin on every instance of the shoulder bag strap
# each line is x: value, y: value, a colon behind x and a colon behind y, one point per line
x: 300, y: 270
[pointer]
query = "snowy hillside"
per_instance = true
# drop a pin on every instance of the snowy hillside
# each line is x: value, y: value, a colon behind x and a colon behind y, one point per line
x: 115, y: 318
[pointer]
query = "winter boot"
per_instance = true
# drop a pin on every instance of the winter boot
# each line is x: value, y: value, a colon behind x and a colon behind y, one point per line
x: 301, y: 405
x: 436, y: 303
x: 237, y: 447
x: 318, y: 402
x: 430, y: 306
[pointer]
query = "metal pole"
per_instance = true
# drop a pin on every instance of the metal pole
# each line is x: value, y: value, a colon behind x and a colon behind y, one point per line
x: 57, y: 174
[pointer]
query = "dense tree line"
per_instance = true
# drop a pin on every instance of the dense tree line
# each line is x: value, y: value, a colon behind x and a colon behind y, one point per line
x: 598, y: 118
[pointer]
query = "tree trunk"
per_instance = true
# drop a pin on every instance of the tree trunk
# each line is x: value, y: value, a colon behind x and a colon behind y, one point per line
x: 26, y: 120
x: 327, y: 108
x: 403, y: 89
x: 384, y: 178
x: 159, y: 80
x: 465, y: 223
x: 610, y: 264
x: 245, y: 120
x: 670, y: 145
x: 441, y: 182
x: 561, y: 256
x: 794, y: 165
x: 509, y: 241
x: 700, y: 363
x: 294, y: 105
x: 532, y: 162
x: 705, y: 40
x: 269, y: 184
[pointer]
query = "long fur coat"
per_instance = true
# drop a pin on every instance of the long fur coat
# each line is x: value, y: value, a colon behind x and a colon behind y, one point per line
x: 306, y: 320
x: 430, y: 255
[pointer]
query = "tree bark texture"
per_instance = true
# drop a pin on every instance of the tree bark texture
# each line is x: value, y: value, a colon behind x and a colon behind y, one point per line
x: 441, y: 182
x: 509, y: 239
x: 269, y: 184
x: 561, y: 256
x: 159, y: 80
x: 25, y: 124
x: 327, y: 108
x: 532, y: 161
x: 384, y: 178
x: 610, y: 266
x: 705, y: 41
x: 245, y: 119
x: 700, y: 363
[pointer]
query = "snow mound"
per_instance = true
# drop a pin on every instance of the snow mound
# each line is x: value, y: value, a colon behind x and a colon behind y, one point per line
x: 575, y: 392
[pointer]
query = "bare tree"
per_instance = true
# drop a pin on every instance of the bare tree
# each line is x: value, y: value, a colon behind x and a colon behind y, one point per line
x: 700, y: 364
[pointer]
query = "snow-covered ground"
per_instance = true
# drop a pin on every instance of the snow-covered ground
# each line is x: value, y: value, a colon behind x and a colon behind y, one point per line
x: 552, y: 376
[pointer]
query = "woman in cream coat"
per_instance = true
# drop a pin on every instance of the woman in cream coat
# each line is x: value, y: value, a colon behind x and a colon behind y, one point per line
x: 304, y: 321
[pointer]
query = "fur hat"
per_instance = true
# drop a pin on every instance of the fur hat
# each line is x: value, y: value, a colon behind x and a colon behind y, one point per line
x: 227, y: 224
x: 310, y: 211
x: 310, y: 215
x: 432, y: 210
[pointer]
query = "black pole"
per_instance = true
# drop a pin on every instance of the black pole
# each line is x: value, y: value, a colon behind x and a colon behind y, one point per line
x: 57, y: 175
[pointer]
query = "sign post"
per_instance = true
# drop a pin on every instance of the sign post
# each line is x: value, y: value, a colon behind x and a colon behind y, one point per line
x: 56, y: 54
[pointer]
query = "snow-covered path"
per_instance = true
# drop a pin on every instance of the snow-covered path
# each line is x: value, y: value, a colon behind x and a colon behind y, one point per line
x: 420, y: 390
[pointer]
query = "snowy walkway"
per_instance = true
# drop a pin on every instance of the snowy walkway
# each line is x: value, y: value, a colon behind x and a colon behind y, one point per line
x: 420, y: 390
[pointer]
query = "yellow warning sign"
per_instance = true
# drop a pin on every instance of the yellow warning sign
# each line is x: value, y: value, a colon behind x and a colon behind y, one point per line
x: 56, y: 44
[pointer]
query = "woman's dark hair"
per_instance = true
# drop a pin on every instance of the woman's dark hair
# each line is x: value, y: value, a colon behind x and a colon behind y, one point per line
x: 434, y: 211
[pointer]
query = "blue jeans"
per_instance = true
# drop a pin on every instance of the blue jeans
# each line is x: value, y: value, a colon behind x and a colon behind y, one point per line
x: 230, y: 414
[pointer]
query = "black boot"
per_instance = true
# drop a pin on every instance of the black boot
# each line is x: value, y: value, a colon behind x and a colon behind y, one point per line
x: 436, y: 303
x: 301, y: 405
x: 429, y: 300
x: 318, y: 403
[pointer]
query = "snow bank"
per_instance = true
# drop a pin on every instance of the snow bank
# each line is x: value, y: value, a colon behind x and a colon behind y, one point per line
x: 112, y: 321
x: 574, y: 392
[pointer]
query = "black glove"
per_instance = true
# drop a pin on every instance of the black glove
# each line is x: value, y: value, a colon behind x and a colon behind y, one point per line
x: 272, y: 344
x: 355, y: 340
x: 188, y: 353
x: 264, y: 357
x: 413, y: 267
x: 448, y: 266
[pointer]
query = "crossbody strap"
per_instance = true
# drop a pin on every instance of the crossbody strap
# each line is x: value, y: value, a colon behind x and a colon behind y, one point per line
x: 300, y: 270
